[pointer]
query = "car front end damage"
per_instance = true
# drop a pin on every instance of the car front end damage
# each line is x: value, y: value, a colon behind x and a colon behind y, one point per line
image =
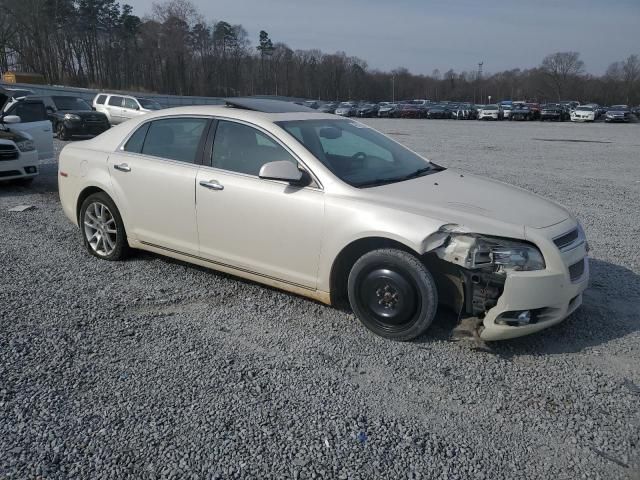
x: 507, y: 288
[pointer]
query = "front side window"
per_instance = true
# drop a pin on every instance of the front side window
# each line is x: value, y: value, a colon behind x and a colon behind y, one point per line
x: 243, y: 149
x: 174, y: 138
x: 130, y: 103
x: 357, y: 154
x: 115, y: 101
x: 30, y: 111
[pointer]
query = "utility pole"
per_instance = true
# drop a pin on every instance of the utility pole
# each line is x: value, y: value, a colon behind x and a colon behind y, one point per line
x: 478, y: 79
x: 393, y: 88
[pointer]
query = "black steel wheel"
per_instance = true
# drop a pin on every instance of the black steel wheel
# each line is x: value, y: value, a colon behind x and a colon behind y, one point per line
x: 393, y: 294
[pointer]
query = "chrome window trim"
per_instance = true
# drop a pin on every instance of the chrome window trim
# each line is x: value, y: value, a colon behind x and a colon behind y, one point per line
x: 120, y: 147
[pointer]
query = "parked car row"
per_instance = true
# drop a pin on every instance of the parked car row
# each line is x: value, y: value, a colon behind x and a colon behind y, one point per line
x: 507, y: 110
x: 28, y: 123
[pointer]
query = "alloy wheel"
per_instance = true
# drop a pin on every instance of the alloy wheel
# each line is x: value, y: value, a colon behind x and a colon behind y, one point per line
x: 100, y: 229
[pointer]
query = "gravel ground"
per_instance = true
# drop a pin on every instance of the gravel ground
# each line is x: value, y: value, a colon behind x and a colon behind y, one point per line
x: 151, y: 368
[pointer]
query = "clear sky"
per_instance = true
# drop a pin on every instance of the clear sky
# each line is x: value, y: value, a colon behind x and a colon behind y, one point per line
x: 423, y: 35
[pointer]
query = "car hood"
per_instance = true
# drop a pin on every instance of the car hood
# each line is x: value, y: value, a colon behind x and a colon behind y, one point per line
x: 7, y: 134
x: 461, y: 198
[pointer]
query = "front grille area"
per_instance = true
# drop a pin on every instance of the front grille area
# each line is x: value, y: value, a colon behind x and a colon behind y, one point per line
x: 8, y: 152
x: 566, y: 239
x: 576, y: 270
x: 10, y: 173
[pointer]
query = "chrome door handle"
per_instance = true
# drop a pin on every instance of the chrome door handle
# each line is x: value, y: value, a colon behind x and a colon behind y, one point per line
x: 123, y: 167
x: 212, y: 185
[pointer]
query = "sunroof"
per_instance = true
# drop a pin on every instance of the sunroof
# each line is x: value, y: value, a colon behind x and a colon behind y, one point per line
x: 266, y: 105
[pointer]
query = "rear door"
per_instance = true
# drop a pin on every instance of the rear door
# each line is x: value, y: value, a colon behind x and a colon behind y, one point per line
x: 34, y: 121
x: 153, y: 178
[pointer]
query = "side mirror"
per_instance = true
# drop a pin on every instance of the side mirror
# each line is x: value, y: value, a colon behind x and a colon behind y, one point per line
x: 11, y: 119
x: 281, y: 170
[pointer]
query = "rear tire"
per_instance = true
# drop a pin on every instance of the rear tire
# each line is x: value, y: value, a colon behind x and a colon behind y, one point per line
x: 103, y: 232
x: 393, y: 294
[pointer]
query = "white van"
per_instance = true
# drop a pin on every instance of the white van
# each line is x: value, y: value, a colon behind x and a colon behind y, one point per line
x: 119, y: 108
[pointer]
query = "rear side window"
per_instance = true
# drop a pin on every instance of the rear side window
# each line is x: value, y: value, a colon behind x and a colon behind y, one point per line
x: 175, y: 138
x: 115, y: 101
x: 135, y: 142
x: 30, y: 111
x: 100, y: 100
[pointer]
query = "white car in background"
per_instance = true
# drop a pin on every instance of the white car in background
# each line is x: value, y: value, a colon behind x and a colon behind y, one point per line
x: 584, y: 113
x: 506, y: 111
x: 328, y: 208
x: 120, y: 108
x: 490, y: 112
x: 18, y: 155
x: 29, y: 116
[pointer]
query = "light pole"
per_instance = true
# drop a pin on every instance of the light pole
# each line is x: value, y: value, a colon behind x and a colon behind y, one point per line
x: 393, y: 87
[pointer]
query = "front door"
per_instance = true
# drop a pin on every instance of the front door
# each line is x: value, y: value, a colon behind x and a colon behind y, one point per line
x: 35, y: 122
x: 154, y: 181
x: 260, y: 226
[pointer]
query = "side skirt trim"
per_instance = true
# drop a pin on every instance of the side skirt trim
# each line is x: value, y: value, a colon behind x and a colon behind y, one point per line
x: 225, y: 265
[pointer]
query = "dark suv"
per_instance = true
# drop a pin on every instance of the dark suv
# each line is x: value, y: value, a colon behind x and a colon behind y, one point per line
x: 73, y: 116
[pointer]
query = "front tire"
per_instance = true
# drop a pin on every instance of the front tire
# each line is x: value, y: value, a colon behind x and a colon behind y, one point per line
x: 393, y: 294
x: 61, y: 132
x: 103, y: 232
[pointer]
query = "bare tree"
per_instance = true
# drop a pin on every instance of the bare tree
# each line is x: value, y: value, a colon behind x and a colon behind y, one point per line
x: 630, y: 76
x: 561, y: 68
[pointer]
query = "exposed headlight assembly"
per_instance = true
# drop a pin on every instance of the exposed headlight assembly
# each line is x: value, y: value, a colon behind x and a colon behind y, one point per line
x: 26, y: 145
x: 500, y: 255
x: 71, y: 116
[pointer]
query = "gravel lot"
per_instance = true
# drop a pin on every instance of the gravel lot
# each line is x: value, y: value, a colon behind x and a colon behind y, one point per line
x: 151, y: 368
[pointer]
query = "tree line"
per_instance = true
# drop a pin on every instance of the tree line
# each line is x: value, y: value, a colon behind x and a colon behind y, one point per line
x: 175, y: 50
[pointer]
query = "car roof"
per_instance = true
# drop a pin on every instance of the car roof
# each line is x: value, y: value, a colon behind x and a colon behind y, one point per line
x: 226, y: 111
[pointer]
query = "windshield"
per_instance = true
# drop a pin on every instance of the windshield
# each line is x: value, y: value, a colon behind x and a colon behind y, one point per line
x: 357, y: 154
x: 149, y: 104
x: 490, y: 107
x: 619, y: 107
x: 70, y: 103
x: 584, y: 109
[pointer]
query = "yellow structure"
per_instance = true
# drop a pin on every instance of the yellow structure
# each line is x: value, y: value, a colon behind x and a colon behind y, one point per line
x: 20, y: 77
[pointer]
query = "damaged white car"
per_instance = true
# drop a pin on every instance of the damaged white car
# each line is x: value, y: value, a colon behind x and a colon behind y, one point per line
x: 327, y: 208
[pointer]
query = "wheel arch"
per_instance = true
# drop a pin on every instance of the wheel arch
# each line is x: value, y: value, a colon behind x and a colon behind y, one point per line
x: 349, y: 254
x: 90, y: 190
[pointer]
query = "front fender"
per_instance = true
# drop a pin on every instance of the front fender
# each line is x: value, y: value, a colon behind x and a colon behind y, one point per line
x: 347, y: 222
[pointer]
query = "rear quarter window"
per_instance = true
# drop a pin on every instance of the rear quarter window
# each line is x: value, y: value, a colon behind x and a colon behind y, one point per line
x: 136, y: 141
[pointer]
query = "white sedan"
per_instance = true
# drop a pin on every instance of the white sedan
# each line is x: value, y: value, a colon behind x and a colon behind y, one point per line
x: 490, y: 112
x: 328, y: 208
x: 583, y: 113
